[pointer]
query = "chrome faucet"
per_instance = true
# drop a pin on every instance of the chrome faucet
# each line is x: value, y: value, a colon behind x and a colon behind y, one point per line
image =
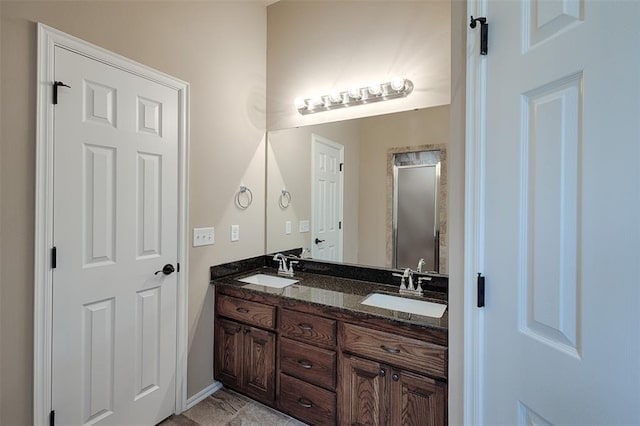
x: 283, y: 269
x: 409, y: 288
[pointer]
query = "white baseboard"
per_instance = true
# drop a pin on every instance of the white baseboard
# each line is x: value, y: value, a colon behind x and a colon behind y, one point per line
x: 209, y: 390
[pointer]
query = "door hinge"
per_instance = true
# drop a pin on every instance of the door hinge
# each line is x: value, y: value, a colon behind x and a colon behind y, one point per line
x: 480, y: 290
x: 54, y: 257
x: 52, y: 418
x: 57, y: 84
x: 484, y: 33
x: 177, y: 266
x: 341, y: 166
x: 340, y: 225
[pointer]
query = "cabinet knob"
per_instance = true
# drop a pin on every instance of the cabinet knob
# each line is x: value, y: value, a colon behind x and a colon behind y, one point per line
x: 390, y: 350
x: 246, y: 331
x: 382, y: 372
x: 395, y: 377
x: 305, y: 326
x: 238, y: 329
x: 305, y: 364
x: 305, y: 402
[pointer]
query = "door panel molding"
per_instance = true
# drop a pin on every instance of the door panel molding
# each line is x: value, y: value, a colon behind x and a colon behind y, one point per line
x: 48, y: 39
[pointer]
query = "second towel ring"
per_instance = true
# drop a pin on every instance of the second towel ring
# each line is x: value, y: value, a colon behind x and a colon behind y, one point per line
x: 285, y: 199
x: 249, y: 197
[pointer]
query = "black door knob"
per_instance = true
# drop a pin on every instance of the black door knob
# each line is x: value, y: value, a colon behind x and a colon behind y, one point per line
x: 167, y: 269
x: 319, y: 241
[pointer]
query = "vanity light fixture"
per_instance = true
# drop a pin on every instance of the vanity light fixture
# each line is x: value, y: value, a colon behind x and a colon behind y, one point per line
x: 396, y: 88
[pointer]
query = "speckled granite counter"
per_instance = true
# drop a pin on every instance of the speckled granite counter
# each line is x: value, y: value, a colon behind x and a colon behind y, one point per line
x: 340, y: 294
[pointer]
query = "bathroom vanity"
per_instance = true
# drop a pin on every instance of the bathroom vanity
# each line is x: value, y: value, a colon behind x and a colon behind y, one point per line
x: 314, y: 351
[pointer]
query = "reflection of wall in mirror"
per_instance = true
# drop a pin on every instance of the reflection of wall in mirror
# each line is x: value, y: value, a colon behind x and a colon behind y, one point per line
x: 288, y: 162
x: 367, y: 142
x: 380, y: 135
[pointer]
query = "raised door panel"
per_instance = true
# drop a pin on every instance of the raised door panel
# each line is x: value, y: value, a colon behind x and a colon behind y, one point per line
x: 364, y: 393
x: 259, y: 364
x: 228, y: 352
x: 417, y: 400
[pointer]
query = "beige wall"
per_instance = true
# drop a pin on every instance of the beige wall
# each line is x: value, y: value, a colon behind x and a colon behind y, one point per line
x: 220, y: 49
x: 317, y: 47
x: 379, y: 134
x: 459, y: 21
x: 289, y: 165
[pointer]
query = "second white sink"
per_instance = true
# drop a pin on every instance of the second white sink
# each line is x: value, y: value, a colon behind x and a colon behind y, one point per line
x: 403, y: 304
x: 268, y: 280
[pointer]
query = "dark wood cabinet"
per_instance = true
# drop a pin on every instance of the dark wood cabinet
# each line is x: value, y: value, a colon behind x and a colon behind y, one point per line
x: 331, y: 367
x: 417, y: 400
x: 364, y: 392
x: 377, y: 394
x: 245, y: 359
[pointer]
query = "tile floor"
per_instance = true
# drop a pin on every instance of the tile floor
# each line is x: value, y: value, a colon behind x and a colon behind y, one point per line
x: 226, y: 407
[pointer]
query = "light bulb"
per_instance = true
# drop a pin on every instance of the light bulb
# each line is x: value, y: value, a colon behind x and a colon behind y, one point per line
x: 355, y: 93
x: 335, y: 97
x: 300, y: 103
x: 397, y: 84
x: 375, y: 89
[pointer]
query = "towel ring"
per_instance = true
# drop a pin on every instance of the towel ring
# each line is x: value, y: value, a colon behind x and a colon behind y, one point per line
x: 285, y: 199
x: 249, y: 197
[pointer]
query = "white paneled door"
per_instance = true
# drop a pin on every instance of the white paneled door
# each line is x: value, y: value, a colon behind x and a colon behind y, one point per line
x: 326, y: 221
x: 115, y: 225
x: 561, y: 233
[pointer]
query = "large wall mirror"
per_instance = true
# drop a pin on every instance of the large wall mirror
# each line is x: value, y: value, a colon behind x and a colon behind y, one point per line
x: 368, y: 191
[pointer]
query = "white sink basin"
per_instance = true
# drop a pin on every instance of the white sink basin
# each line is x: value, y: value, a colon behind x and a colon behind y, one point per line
x: 268, y: 280
x: 403, y: 304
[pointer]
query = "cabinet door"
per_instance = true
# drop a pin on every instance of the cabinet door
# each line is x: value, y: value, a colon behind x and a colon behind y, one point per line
x: 364, y: 393
x: 228, y: 352
x: 417, y: 400
x: 259, y: 364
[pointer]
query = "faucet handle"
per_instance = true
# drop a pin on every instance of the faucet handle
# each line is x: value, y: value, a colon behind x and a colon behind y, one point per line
x: 291, y: 263
x: 403, y: 285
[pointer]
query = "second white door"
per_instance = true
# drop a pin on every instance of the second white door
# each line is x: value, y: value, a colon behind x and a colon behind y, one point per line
x: 561, y: 207
x: 326, y: 202
x: 115, y: 226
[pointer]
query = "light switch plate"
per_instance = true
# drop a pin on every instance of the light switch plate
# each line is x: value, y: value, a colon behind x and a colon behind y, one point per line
x: 304, y: 226
x: 288, y: 227
x: 203, y: 237
x: 235, y: 232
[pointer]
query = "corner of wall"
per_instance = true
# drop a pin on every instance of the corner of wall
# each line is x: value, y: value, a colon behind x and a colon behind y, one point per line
x: 456, y: 210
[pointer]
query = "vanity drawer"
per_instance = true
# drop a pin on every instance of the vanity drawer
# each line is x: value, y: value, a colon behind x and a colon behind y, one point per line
x: 309, y: 363
x: 248, y: 312
x: 396, y: 350
x: 309, y: 403
x: 309, y: 328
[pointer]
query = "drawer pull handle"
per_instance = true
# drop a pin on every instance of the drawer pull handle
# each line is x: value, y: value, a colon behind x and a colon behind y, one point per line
x: 390, y: 350
x: 305, y: 402
x: 305, y: 326
x: 242, y: 310
x: 305, y: 364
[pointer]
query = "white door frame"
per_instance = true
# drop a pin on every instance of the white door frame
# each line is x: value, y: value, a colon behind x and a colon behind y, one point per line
x: 48, y: 39
x: 314, y: 217
x: 473, y: 219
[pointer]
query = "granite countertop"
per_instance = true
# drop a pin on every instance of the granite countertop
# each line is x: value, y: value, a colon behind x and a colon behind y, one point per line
x: 342, y: 294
